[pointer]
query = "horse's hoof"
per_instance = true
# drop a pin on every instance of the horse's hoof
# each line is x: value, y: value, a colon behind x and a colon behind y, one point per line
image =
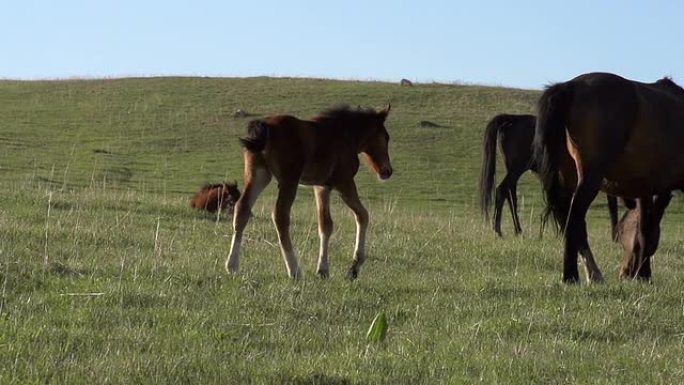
x: 643, y: 279
x: 352, y: 274
x: 625, y: 274
x: 596, y: 278
x: 231, y: 268
x: 323, y: 274
x: 296, y: 275
x: 571, y: 280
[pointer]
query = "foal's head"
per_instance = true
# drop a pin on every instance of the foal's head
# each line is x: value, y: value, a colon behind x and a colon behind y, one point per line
x: 365, y: 129
x: 376, y: 145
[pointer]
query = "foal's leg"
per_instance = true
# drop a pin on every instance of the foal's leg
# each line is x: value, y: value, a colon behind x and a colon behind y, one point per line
x: 325, y: 227
x: 257, y: 178
x: 281, y: 218
x: 350, y: 197
x: 576, y: 231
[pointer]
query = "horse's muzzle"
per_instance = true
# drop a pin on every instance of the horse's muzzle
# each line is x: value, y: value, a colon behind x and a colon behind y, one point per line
x: 385, y: 173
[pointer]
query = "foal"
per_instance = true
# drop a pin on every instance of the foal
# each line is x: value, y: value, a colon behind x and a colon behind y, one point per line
x: 321, y: 152
x: 216, y: 197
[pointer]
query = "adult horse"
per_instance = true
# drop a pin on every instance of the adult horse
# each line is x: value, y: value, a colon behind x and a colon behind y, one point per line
x: 515, y: 134
x: 622, y: 136
x: 321, y: 152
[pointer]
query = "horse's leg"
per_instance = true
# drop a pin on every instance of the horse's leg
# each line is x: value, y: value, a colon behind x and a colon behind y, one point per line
x: 660, y: 203
x: 287, y: 191
x: 651, y: 211
x: 513, y: 204
x: 257, y: 178
x: 591, y: 268
x: 635, y: 263
x: 501, y: 193
x: 644, y: 232
x: 613, y: 212
x: 576, y: 230
x: 350, y: 196
x: 325, y: 227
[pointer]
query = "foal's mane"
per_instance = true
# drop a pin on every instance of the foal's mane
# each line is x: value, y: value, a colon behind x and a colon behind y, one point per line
x: 346, y: 114
x: 355, y: 122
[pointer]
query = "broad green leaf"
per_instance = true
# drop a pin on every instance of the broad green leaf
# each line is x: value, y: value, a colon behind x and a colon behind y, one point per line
x: 378, y: 328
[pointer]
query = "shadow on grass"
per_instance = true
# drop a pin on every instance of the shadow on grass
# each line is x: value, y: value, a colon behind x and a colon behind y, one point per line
x: 313, y: 379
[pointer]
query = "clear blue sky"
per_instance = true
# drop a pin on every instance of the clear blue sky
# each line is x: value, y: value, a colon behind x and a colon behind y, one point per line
x: 511, y: 43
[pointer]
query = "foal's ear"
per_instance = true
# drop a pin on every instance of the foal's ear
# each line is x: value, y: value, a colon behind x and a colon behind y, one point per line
x: 383, y: 114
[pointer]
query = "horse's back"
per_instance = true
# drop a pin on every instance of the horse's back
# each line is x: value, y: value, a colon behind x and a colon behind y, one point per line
x: 516, y: 138
x: 302, y: 148
x: 641, y: 124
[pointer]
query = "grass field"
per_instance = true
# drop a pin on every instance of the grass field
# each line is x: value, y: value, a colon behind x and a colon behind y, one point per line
x: 108, y: 277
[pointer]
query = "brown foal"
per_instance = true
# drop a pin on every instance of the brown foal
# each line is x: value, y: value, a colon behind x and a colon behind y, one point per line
x: 321, y: 152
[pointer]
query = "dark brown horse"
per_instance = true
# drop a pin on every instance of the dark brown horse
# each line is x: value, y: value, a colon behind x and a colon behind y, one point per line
x: 624, y: 137
x: 515, y: 134
x: 322, y: 152
x: 216, y: 197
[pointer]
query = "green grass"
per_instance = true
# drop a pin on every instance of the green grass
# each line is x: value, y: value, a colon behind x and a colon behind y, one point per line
x: 108, y: 277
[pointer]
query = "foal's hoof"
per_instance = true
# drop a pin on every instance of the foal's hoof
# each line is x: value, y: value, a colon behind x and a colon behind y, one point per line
x: 231, y: 268
x: 352, y: 274
x: 323, y: 274
x: 295, y: 275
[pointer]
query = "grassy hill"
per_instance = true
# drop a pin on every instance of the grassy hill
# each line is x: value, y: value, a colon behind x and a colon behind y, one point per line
x: 107, y: 276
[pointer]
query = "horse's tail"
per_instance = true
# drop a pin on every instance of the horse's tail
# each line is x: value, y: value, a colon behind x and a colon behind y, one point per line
x: 549, y: 145
x: 489, y: 162
x: 257, y: 136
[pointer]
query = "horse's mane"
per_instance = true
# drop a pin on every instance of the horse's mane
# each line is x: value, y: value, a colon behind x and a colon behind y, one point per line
x: 670, y: 85
x: 344, y: 113
x: 355, y: 121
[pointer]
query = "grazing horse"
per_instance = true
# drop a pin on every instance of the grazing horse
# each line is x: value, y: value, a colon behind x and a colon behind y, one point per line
x: 628, y: 235
x: 321, y: 152
x: 216, y: 197
x: 602, y: 131
x: 515, y: 134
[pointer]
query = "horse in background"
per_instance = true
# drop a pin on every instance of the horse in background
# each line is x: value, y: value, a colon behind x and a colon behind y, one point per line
x: 321, y: 152
x: 216, y: 197
x: 600, y: 131
x: 515, y: 134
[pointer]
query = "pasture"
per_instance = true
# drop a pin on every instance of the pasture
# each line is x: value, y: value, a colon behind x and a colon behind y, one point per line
x: 108, y: 276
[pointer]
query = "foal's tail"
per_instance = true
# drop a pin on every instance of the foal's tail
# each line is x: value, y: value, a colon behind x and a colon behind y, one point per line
x: 257, y: 136
x: 549, y: 146
x: 489, y: 161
